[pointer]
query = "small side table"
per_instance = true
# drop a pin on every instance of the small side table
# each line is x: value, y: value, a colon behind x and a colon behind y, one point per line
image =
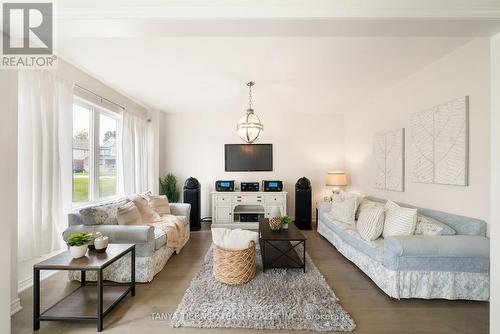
x: 89, y: 301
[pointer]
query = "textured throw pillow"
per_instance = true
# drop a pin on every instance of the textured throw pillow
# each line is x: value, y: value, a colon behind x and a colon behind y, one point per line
x: 128, y: 214
x: 365, y: 203
x: 343, y: 210
x: 371, y: 222
x: 430, y: 226
x: 398, y: 220
x: 148, y: 215
x: 101, y: 214
x: 159, y: 204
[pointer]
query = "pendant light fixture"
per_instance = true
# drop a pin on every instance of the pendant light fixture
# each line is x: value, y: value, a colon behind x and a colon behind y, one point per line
x: 249, y: 126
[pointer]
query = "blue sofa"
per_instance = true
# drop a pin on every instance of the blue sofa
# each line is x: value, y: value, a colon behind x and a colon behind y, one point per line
x: 418, y: 266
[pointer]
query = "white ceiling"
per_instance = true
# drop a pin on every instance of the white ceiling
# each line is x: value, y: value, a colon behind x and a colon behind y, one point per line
x: 201, y: 62
x: 208, y: 74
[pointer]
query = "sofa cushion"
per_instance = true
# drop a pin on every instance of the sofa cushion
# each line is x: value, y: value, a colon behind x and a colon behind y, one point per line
x: 348, y: 233
x: 370, y: 224
x: 365, y: 203
x: 437, y: 253
x: 148, y: 215
x: 429, y: 226
x: 398, y: 220
x: 103, y: 214
x: 159, y: 204
x: 128, y: 214
x: 344, y: 210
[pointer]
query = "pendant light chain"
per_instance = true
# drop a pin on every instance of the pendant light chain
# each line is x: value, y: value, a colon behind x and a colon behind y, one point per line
x: 250, y: 85
x: 249, y: 126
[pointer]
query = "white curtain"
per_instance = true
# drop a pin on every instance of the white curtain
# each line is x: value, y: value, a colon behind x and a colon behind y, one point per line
x: 136, y: 153
x: 45, y: 162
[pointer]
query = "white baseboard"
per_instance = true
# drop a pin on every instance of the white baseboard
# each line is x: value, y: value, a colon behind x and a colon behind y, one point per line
x: 15, y: 306
x: 28, y: 282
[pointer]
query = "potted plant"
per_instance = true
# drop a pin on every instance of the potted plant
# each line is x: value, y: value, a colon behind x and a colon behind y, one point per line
x: 286, y: 220
x: 78, y: 244
x: 168, y: 187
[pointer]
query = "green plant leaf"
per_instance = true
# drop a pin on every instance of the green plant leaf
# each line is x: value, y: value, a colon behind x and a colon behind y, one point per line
x: 168, y: 187
x: 79, y: 239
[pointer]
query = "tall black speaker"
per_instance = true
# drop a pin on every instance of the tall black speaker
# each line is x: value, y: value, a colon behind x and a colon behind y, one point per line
x: 192, y: 196
x: 303, y: 204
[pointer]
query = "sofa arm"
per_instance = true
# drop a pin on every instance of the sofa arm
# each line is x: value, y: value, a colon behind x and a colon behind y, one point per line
x: 180, y: 209
x: 437, y: 246
x: 142, y: 236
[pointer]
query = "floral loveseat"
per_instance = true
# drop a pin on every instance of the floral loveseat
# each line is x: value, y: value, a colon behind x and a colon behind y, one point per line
x: 152, y: 249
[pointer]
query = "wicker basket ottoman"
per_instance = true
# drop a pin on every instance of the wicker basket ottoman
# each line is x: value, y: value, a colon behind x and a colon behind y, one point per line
x: 234, y: 267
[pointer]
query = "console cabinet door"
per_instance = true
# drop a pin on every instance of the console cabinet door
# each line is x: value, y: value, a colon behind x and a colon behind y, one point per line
x: 223, y: 214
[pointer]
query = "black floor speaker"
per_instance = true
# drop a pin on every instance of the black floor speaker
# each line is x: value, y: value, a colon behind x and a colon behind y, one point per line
x: 192, y: 195
x: 303, y: 204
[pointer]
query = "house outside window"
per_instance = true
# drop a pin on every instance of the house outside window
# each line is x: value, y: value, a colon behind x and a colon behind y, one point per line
x: 95, y: 157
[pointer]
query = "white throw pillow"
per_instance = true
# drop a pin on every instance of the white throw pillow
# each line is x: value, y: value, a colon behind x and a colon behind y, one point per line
x: 345, y: 195
x: 236, y: 239
x: 367, y: 203
x: 399, y: 220
x: 344, y: 210
x: 371, y: 222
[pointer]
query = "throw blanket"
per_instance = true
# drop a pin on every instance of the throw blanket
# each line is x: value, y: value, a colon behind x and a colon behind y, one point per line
x: 174, y: 229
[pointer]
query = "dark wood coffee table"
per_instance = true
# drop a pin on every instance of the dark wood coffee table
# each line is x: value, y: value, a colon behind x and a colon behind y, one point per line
x: 278, y: 247
x: 89, y: 301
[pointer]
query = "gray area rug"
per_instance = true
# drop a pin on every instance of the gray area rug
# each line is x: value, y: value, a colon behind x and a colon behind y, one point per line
x: 276, y: 299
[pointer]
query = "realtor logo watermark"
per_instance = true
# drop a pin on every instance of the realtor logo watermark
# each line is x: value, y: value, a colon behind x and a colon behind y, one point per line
x: 28, y: 35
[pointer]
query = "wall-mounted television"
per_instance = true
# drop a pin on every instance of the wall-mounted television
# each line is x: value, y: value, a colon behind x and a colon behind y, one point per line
x: 248, y: 157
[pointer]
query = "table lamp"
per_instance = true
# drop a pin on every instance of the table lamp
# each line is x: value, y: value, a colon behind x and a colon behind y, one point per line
x: 336, y: 179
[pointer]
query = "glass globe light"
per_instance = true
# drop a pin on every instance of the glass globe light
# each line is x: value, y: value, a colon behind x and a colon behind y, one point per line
x: 249, y: 127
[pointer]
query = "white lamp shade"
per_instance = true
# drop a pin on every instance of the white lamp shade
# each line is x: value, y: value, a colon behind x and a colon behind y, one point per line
x: 336, y: 179
x: 249, y: 127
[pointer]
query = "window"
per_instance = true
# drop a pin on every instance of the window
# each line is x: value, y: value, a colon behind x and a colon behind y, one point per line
x: 95, y: 154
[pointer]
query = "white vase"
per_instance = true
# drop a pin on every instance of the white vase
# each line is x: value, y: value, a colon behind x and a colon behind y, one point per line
x: 78, y: 251
x: 101, y: 244
x: 274, y: 212
x: 285, y: 226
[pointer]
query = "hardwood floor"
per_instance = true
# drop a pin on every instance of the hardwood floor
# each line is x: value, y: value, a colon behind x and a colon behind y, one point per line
x: 372, y: 310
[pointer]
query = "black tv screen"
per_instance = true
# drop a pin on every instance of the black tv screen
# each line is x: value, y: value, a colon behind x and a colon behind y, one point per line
x: 249, y: 157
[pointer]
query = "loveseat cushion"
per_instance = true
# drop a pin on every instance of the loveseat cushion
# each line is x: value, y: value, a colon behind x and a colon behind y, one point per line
x: 459, y: 253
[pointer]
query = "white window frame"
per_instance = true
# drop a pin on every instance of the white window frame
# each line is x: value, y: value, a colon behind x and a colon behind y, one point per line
x: 94, y: 154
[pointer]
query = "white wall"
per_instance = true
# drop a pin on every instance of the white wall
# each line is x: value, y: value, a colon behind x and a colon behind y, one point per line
x: 8, y: 202
x: 495, y: 186
x: 465, y: 71
x: 304, y: 145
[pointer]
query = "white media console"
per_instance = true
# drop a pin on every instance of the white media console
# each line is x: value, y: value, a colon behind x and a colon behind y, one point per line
x: 227, y: 207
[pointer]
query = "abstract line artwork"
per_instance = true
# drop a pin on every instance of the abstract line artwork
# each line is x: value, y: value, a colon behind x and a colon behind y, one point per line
x: 440, y: 143
x: 388, y: 151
